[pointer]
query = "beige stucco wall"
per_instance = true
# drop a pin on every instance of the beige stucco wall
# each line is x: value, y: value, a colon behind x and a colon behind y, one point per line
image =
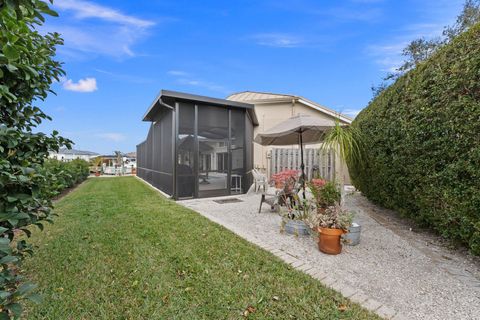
x: 270, y: 115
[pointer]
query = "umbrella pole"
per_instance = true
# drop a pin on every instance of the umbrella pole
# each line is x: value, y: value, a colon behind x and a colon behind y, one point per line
x: 302, y: 165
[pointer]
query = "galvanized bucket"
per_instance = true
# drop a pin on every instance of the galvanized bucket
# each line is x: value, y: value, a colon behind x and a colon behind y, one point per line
x: 352, y: 238
x: 296, y: 227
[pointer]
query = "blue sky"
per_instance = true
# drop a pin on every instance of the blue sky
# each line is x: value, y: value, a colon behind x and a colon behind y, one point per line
x: 119, y: 54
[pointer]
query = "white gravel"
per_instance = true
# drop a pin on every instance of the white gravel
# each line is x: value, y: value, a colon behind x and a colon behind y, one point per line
x: 407, y: 273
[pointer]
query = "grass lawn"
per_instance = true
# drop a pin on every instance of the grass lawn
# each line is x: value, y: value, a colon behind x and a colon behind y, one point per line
x: 119, y: 250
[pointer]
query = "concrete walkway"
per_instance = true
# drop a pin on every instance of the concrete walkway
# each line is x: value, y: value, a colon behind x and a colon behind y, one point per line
x: 395, y: 272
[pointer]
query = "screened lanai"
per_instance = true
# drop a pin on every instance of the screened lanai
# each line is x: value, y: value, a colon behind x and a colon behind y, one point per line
x: 197, y: 146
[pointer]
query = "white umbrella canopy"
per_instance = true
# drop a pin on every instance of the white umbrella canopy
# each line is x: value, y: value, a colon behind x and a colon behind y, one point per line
x: 299, y: 129
x: 287, y: 132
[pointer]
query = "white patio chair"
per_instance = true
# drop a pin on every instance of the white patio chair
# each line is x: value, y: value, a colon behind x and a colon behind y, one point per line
x: 259, y: 180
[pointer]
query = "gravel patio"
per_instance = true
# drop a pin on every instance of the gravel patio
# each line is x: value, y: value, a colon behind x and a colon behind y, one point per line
x: 398, y: 272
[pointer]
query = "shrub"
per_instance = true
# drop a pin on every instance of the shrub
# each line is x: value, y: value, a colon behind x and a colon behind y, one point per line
x: 422, y: 137
x: 27, y: 70
x: 63, y: 175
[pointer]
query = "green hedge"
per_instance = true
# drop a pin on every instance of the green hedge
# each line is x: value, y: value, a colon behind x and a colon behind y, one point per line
x: 422, y: 136
x: 63, y: 175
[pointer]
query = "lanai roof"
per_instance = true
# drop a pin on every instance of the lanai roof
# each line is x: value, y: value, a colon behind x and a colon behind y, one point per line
x: 166, y: 97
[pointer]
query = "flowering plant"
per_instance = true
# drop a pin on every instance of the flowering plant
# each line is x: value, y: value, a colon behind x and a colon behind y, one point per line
x: 283, y: 177
x: 318, y: 183
x: 324, y: 192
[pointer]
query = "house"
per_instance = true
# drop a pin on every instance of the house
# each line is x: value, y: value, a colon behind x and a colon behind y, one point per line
x: 273, y: 108
x: 197, y: 146
x: 67, y: 155
x: 124, y: 163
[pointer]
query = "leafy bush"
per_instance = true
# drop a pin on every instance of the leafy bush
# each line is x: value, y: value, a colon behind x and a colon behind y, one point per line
x: 27, y: 70
x: 422, y: 136
x: 62, y: 175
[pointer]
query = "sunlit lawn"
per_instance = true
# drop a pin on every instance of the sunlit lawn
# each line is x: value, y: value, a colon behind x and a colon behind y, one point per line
x: 119, y: 250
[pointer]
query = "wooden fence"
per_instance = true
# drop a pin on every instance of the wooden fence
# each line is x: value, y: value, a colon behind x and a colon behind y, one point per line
x: 314, y: 159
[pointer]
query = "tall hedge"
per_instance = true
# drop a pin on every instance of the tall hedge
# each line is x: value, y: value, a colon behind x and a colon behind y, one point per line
x: 422, y: 137
x: 27, y: 70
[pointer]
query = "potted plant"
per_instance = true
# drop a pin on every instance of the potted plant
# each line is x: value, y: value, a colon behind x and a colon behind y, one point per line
x: 331, y: 223
x: 296, y: 212
x: 329, y: 219
x: 293, y: 209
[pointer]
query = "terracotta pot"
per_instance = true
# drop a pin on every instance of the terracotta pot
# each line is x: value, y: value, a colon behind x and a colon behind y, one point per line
x: 97, y: 174
x: 329, y: 240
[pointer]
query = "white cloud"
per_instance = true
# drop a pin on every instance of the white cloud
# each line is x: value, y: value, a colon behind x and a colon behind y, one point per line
x: 204, y: 84
x: 349, y: 112
x: 114, y: 34
x: 111, y: 136
x: 189, y: 79
x: 388, y: 56
x: 86, y: 9
x: 178, y: 73
x: 439, y: 13
x: 125, y: 77
x: 358, y: 13
x: 83, y: 85
x: 352, y: 113
x: 278, y: 40
x: 186, y: 78
x: 367, y: 1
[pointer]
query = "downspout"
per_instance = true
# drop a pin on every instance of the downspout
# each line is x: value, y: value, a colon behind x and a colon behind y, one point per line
x: 165, y: 105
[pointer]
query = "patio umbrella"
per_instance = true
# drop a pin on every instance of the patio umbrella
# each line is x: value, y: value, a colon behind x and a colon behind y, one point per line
x: 299, y: 129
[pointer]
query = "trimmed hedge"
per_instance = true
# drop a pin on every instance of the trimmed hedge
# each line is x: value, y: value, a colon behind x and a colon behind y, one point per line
x: 422, y: 136
x: 63, y: 175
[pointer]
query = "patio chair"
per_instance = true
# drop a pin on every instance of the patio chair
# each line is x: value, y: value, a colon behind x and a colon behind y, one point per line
x: 278, y: 198
x: 259, y: 180
x: 272, y: 199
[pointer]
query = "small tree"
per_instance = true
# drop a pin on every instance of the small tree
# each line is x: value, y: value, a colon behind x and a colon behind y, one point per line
x: 27, y: 70
x: 421, y: 49
x: 469, y: 16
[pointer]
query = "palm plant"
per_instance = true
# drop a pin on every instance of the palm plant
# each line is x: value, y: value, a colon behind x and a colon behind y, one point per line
x: 347, y: 142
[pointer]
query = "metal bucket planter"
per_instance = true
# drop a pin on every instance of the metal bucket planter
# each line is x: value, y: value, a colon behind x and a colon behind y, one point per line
x: 352, y: 238
x: 296, y: 227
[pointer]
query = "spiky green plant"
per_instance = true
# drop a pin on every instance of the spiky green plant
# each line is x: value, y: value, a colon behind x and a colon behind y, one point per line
x: 346, y: 141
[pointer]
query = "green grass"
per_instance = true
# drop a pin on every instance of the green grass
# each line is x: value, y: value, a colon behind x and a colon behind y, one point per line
x: 118, y: 250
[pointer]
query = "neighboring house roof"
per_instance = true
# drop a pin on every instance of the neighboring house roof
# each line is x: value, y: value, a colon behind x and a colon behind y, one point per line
x: 266, y: 98
x: 163, y: 100
x: 76, y: 152
x: 132, y: 154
